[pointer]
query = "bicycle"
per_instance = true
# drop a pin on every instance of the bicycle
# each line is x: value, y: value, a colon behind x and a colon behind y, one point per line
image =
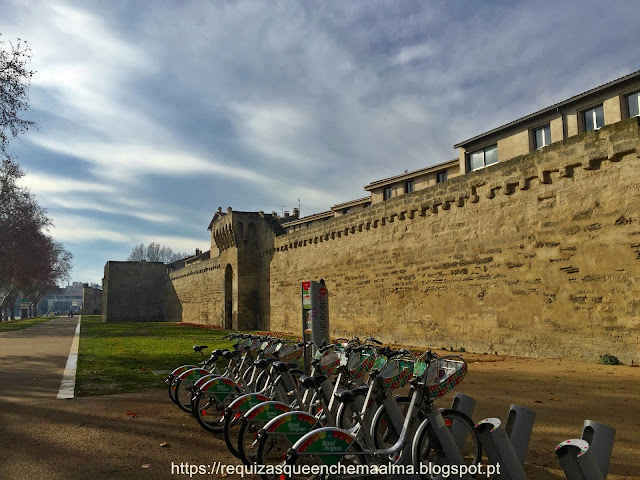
x: 414, y: 444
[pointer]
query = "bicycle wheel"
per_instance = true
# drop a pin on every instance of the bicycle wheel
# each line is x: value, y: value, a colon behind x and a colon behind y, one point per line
x: 280, y: 434
x: 171, y: 389
x: 232, y: 423
x: 352, y: 456
x: 247, y: 440
x: 426, y: 447
x: 182, y: 393
x: 271, y: 452
x: 209, y: 409
x: 383, y: 435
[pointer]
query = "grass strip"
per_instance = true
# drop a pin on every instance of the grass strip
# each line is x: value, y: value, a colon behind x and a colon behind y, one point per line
x: 11, y: 326
x: 122, y: 357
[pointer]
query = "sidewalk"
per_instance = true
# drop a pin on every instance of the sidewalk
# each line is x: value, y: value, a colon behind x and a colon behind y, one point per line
x: 32, y: 360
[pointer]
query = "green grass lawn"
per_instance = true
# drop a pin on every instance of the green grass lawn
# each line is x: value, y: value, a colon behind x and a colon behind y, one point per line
x: 122, y: 357
x: 20, y: 324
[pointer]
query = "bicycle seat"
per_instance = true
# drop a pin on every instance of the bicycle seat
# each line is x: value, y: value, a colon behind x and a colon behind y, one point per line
x: 284, y: 366
x: 261, y: 363
x: 230, y: 354
x: 348, y: 396
x: 218, y: 351
x: 199, y: 348
x: 312, y: 382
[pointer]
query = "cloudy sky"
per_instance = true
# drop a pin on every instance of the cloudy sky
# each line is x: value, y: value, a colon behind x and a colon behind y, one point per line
x: 153, y: 114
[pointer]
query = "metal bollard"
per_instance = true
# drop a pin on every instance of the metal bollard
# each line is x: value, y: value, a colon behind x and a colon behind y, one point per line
x: 464, y: 404
x: 499, y: 449
x: 600, y: 438
x: 578, y: 460
x: 519, y: 426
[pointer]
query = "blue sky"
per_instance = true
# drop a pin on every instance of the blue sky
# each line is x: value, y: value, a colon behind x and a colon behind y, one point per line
x: 153, y: 114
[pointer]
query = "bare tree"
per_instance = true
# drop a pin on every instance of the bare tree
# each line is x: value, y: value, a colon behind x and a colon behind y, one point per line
x: 15, y: 79
x: 31, y: 262
x: 154, y: 252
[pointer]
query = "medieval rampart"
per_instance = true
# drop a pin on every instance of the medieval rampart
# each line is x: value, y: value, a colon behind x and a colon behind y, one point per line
x: 133, y: 291
x: 538, y: 255
x: 194, y: 293
x: 91, y: 301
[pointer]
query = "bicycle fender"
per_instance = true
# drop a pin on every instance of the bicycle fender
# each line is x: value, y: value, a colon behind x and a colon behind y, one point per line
x: 246, y: 402
x: 267, y: 411
x: 293, y: 424
x: 325, y: 441
x: 220, y: 387
x: 179, y: 370
x: 202, y: 380
x: 193, y: 374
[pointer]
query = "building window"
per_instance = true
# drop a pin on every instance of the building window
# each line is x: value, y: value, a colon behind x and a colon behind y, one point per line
x: 542, y: 136
x: 346, y: 210
x: 408, y: 186
x: 388, y: 193
x: 482, y: 158
x: 441, y: 176
x: 593, y: 119
x: 633, y: 104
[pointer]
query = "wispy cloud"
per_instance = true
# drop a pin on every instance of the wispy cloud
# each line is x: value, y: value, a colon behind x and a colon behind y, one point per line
x: 414, y: 52
x: 149, y: 119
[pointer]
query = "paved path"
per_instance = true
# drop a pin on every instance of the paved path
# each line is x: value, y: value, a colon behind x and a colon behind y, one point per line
x: 32, y: 360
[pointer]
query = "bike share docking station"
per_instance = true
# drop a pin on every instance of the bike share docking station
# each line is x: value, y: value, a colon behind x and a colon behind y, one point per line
x: 315, y: 318
x: 508, y: 445
x: 588, y: 457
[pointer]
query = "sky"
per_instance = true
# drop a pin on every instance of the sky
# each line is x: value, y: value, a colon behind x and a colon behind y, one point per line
x: 151, y: 115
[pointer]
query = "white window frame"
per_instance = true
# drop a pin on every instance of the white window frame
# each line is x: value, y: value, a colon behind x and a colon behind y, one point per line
x: 628, y: 103
x: 446, y: 175
x: 545, y: 141
x: 484, y: 156
x: 592, y: 111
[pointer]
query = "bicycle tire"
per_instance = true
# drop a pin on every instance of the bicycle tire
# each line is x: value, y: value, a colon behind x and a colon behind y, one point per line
x: 311, y: 459
x: 423, y: 451
x: 208, y: 410
x: 274, y: 442
x: 383, y: 436
x: 247, y: 440
x: 232, y: 423
x: 182, y: 393
x: 270, y: 447
x: 170, y: 388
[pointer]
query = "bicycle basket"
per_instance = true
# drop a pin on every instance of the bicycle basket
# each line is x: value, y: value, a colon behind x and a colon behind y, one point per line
x: 361, y: 363
x: 255, y: 346
x: 244, y: 343
x: 270, y: 349
x: 290, y: 353
x: 329, y: 362
x: 396, y: 373
x: 446, y: 375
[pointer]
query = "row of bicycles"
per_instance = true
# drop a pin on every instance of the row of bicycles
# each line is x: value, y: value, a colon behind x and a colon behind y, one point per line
x: 362, y: 404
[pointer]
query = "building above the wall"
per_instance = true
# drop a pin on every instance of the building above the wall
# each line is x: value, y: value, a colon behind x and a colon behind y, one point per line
x: 588, y: 111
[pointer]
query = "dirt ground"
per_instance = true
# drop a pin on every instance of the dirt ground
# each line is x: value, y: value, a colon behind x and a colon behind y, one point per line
x: 101, y: 438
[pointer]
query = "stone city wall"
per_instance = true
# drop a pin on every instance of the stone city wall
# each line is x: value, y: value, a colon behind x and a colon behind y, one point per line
x: 535, y: 256
x: 91, y: 301
x: 195, y: 293
x: 133, y: 291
